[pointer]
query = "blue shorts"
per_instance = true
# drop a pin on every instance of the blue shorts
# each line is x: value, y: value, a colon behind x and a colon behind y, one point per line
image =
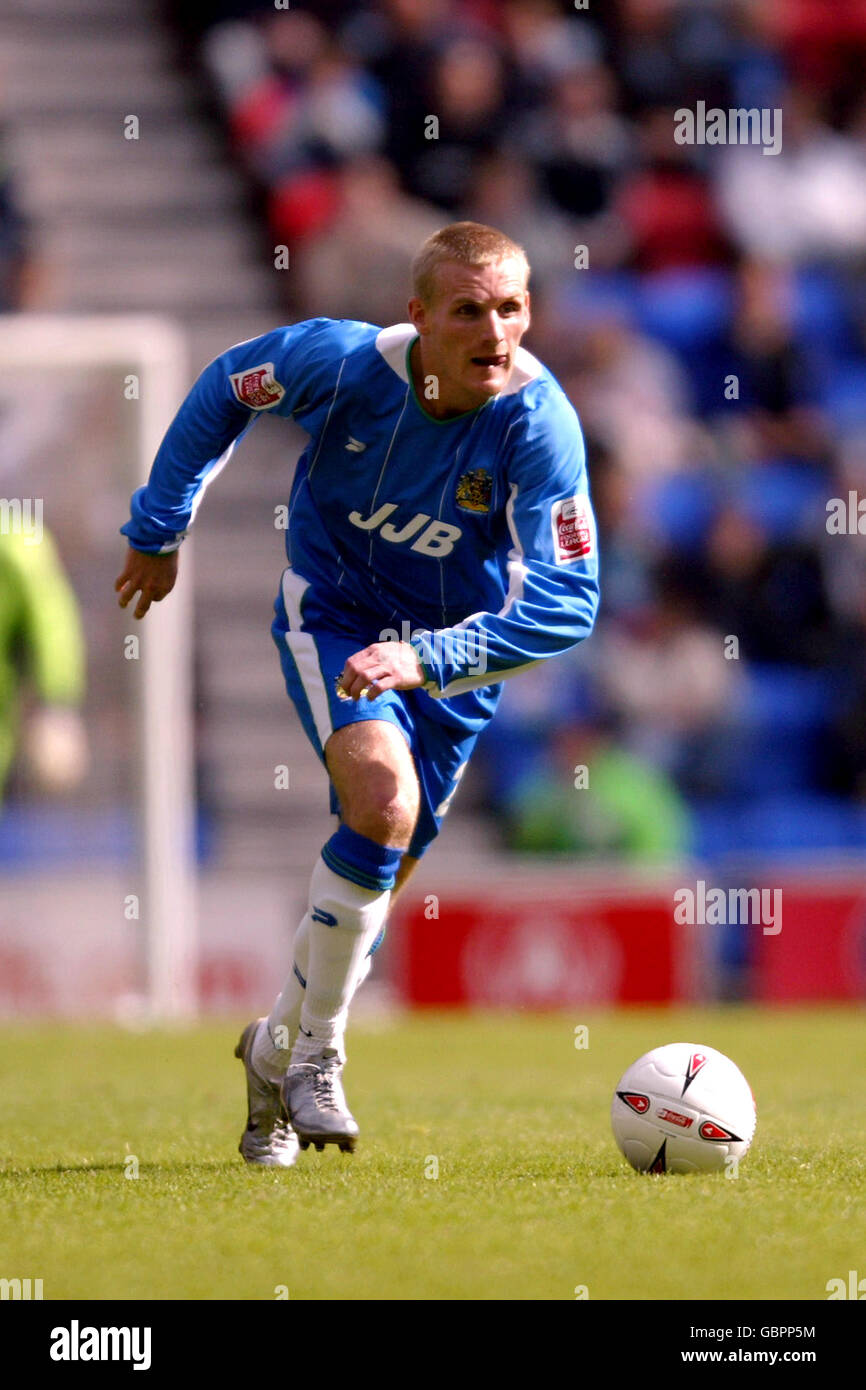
x: 314, y: 646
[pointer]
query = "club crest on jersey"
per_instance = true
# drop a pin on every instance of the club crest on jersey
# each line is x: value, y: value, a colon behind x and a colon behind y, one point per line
x: 573, y: 529
x: 474, y: 491
x: 257, y: 387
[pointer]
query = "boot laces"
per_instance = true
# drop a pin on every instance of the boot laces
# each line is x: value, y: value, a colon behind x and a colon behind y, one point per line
x: 324, y: 1083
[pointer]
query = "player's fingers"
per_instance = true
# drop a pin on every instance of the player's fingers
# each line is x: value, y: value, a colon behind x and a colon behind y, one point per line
x: 353, y: 678
x: 359, y: 688
x: 149, y: 594
x: 378, y: 682
x: 380, y: 685
x: 344, y: 687
x: 358, y: 685
x: 152, y: 593
x: 128, y: 592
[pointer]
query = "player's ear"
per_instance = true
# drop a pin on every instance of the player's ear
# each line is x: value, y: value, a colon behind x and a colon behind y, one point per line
x: 528, y: 315
x: 418, y: 314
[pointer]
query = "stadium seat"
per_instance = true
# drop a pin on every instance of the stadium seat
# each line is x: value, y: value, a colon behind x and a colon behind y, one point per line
x: 680, y: 509
x: 604, y: 295
x: 785, y: 499
x: 802, y: 823
x: 780, y: 722
x: 821, y: 311
x: 684, y: 308
x: 843, y: 394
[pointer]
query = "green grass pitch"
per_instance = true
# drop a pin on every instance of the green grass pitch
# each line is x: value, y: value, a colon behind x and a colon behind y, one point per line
x: 532, y: 1199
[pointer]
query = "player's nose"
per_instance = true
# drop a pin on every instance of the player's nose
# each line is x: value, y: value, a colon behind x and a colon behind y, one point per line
x: 494, y: 333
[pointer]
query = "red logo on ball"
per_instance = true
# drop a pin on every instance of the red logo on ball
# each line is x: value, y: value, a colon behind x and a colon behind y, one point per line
x: 716, y: 1135
x: 675, y: 1118
x: 635, y: 1101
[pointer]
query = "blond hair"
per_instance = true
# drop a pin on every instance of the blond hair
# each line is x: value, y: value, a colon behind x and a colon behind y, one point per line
x: 469, y: 243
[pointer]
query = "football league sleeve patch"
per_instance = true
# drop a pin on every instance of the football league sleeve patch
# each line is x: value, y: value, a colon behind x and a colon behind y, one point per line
x: 572, y: 527
x: 257, y: 387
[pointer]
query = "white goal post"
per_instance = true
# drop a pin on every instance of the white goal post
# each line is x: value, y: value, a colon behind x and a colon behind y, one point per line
x: 154, y: 350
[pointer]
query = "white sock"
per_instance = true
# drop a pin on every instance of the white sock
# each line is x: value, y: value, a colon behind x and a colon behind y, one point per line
x: 338, y: 951
x: 273, y: 1048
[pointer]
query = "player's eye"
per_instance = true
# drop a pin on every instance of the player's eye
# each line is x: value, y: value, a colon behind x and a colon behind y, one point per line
x: 467, y: 309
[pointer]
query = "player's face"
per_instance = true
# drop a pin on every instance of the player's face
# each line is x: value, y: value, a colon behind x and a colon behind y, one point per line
x: 471, y: 332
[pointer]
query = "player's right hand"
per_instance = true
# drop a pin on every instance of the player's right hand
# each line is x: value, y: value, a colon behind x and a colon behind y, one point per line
x: 153, y: 576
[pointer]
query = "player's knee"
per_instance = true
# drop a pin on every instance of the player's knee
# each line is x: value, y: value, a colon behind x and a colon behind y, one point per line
x: 383, y: 810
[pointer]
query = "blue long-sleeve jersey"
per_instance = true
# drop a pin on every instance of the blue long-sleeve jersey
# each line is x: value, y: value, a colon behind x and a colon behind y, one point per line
x: 474, y: 535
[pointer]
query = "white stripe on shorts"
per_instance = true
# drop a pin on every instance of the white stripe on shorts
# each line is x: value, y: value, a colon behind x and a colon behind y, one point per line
x: 302, y: 646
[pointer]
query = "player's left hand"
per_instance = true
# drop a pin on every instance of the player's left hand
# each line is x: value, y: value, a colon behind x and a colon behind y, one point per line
x: 384, y: 666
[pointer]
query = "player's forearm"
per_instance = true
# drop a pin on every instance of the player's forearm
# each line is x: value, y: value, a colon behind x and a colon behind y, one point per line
x: 490, y: 647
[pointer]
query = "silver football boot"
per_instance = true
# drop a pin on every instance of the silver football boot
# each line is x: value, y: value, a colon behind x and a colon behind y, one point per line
x: 312, y: 1093
x: 268, y: 1139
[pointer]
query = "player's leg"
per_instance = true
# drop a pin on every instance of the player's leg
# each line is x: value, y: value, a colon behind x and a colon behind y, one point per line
x: 382, y: 787
x: 379, y: 782
x: 269, y: 1139
x: 312, y: 663
x: 407, y: 864
x: 290, y: 1002
x: 374, y: 777
x: 377, y: 743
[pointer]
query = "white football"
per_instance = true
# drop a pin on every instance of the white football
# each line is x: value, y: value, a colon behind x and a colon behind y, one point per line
x: 683, y: 1108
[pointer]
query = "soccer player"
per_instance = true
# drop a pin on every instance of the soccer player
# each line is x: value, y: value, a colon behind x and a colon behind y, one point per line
x: 440, y: 539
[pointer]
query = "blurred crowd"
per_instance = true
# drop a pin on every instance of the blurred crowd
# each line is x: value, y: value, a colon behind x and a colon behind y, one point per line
x: 704, y: 309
